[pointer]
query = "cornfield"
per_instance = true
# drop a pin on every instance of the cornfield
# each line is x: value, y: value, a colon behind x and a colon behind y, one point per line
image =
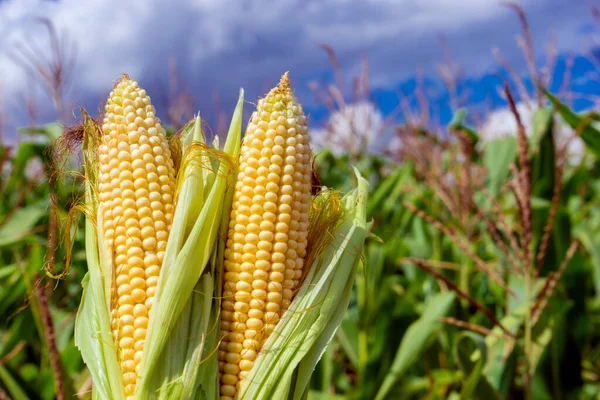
x: 148, y: 261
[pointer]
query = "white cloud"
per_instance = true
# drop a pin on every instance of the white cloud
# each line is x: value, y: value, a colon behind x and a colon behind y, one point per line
x: 226, y: 44
x: 502, y: 122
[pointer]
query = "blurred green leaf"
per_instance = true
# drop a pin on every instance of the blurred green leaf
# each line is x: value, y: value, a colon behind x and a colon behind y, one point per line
x: 383, y: 191
x: 458, y: 124
x: 51, y: 131
x: 347, y: 336
x: 583, y: 124
x: 471, y: 353
x: 26, y: 152
x: 21, y: 222
x: 11, y: 384
x: 416, y: 340
x: 8, y: 270
x: 542, y: 151
x: 416, y: 386
x: 314, y: 395
x: 543, y: 121
x: 499, y: 155
x: 584, y: 235
x: 544, y: 329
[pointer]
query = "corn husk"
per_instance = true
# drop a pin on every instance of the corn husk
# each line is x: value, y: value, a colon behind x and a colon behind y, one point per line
x: 93, y: 335
x: 285, y: 364
x: 179, y: 360
x: 180, y: 352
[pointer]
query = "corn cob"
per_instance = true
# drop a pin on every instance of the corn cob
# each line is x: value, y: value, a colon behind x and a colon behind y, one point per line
x: 136, y: 191
x: 267, y: 236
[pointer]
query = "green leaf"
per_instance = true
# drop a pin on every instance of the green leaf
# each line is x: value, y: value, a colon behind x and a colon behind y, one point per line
x: 538, y: 203
x: 583, y: 124
x: 471, y: 353
x: 499, y: 155
x: 52, y: 131
x: 544, y: 329
x: 442, y: 379
x: 11, y: 384
x: 543, y: 121
x: 7, y: 270
x: 25, y: 153
x: 347, y: 338
x: 416, y: 340
x: 457, y: 124
x: 584, y: 235
x: 21, y: 222
x: 542, y: 151
x: 383, y: 190
x: 93, y: 334
x: 314, y: 395
x: 498, y: 367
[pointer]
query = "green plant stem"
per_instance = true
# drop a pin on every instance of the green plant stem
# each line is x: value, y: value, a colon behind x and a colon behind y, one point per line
x: 463, y: 284
x: 528, y: 329
x: 363, y: 344
x: 436, y: 245
x: 555, y: 370
x: 327, y: 384
x: 363, y: 350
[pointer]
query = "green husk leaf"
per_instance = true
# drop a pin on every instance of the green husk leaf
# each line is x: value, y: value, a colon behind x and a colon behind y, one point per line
x: 283, y: 367
x: 93, y: 335
x: 184, y: 300
x: 184, y: 347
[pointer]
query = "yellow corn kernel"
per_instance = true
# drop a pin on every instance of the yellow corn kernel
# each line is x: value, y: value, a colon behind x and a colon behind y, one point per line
x: 267, y: 237
x: 136, y: 190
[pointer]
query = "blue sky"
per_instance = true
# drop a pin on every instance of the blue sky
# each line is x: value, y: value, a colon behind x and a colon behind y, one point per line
x: 221, y: 45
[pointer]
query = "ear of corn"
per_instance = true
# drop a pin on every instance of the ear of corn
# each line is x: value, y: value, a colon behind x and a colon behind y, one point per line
x: 136, y: 189
x: 172, y: 360
x: 276, y: 245
x: 268, y: 229
x: 283, y: 368
x: 271, y: 340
